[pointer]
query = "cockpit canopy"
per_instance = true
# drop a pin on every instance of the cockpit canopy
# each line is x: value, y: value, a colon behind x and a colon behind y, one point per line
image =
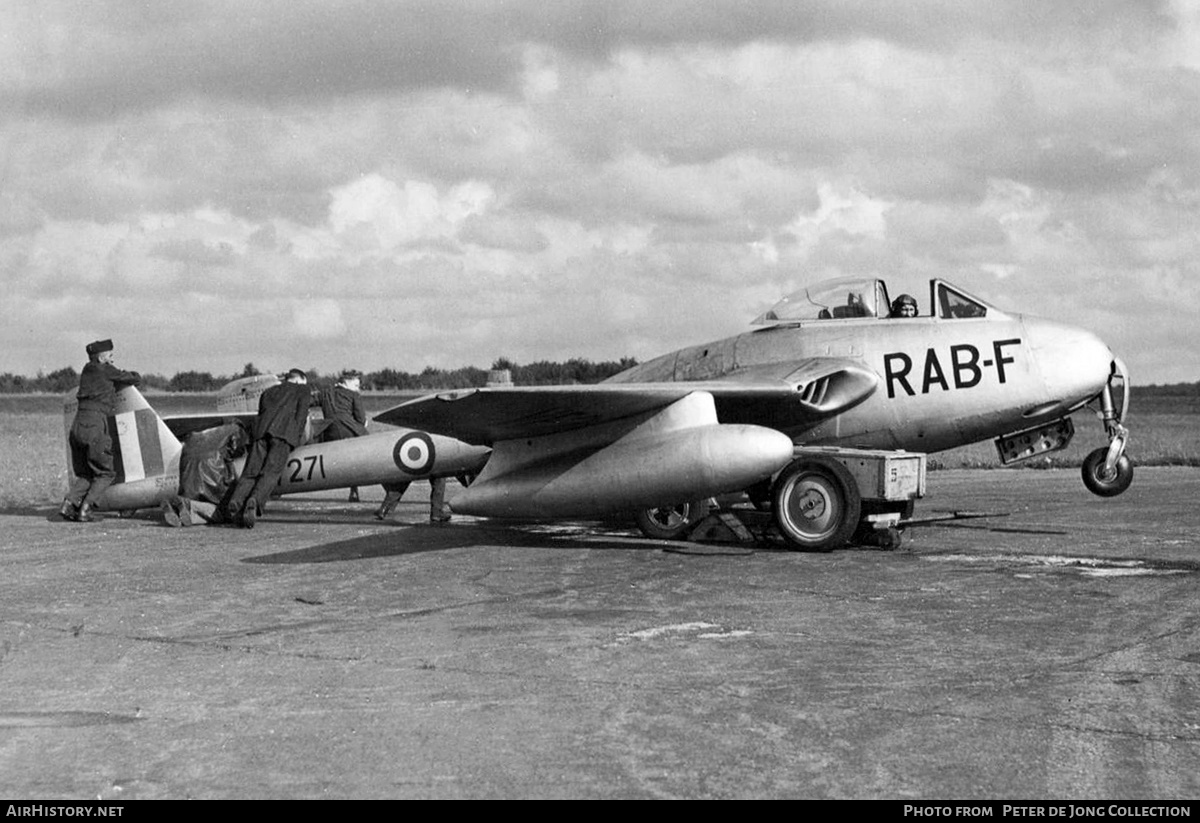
x: 859, y: 297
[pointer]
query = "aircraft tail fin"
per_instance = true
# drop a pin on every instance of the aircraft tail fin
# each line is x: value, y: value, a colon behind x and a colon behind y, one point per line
x: 145, y: 452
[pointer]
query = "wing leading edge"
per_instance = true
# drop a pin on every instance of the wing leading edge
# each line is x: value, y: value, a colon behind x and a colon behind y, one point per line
x: 786, y: 396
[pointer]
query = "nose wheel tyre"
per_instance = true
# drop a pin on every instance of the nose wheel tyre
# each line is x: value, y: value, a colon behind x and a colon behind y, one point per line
x: 816, y: 504
x: 671, y: 522
x: 1106, y: 484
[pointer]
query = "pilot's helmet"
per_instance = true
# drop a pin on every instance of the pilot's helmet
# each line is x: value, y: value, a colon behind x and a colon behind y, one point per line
x: 904, y: 306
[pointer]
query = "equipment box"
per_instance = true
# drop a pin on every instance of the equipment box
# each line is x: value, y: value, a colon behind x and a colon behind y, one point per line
x: 880, y: 475
x: 1029, y: 443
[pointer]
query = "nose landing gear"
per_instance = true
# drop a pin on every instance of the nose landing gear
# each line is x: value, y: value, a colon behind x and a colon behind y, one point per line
x: 1108, y: 471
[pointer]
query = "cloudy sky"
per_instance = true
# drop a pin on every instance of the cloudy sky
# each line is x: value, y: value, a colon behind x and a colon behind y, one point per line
x: 400, y: 184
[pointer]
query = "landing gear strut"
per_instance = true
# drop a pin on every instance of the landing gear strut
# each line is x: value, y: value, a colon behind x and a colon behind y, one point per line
x: 1108, y: 471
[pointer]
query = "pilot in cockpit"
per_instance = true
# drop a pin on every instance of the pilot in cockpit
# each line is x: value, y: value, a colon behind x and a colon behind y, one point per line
x: 904, y: 306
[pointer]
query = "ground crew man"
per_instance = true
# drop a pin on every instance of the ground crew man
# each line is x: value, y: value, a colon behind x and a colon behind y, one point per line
x: 438, y: 511
x: 279, y: 428
x: 342, y: 407
x: 91, y: 445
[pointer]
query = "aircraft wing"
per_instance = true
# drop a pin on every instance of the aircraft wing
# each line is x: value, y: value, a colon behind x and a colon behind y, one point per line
x: 785, y: 396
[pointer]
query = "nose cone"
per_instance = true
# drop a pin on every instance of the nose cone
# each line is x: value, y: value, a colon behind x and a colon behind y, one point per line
x: 1075, y: 364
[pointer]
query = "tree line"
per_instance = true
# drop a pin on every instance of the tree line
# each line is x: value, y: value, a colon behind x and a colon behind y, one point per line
x: 541, y: 373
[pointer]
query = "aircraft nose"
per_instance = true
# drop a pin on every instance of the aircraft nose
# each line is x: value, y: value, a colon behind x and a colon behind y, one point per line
x: 1075, y: 364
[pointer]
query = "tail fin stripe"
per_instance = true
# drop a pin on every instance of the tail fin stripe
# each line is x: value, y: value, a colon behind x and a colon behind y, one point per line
x: 149, y: 443
x: 125, y: 435
x: 118, y: 450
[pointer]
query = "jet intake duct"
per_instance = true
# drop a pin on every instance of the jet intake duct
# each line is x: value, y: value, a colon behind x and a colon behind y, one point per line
x: 671, y: 455
x: 826, y: 392
x: 814, y: 393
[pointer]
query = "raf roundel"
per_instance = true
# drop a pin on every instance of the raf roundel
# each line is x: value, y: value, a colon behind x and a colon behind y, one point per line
x: 414, y: 453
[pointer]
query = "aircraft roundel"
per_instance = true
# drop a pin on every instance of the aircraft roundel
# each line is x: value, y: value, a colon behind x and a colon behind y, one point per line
x: 414, y: 453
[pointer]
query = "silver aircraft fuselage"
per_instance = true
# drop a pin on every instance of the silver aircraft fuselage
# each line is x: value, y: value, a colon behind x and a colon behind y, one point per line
x: 942, y: 382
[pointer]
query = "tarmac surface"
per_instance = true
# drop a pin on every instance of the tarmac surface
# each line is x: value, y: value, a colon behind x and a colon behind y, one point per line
x: 1049, y: 651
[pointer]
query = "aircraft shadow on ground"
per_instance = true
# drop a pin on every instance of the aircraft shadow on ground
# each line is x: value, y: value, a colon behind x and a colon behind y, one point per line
x: 50, y: 513
x: 421, y: 538
x: 29, y: 511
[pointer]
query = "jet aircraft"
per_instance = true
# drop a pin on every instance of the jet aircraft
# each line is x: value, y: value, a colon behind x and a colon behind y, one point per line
x: 786, y: 411
x: 148, y: 449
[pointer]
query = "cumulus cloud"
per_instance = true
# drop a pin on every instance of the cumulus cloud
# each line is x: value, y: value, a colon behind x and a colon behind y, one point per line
x: 422, y: 181
x: 847, y: 212
x: 385, y: 215
x: 317, y: 319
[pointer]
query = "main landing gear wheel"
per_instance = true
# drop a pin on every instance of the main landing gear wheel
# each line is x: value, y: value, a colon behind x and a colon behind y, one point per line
x: 1106, y: 484
x: 671, y: 522
x: 817, y: 504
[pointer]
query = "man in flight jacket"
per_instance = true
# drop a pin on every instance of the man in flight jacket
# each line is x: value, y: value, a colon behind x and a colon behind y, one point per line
x: 279, y: 428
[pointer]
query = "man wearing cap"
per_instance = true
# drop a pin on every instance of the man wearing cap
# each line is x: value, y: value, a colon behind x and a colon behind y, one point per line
x: 342, y: 407
x: 279, y: 428
x: 91, y: 445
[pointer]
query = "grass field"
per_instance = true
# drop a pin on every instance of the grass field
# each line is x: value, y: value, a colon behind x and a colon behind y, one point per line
x: 32, y: 440
x: 35, y: 459
x: 1155, y: 440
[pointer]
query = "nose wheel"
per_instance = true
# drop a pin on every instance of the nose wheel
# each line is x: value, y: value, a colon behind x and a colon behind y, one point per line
x: 1104, y: 476
x: 1107, y: 472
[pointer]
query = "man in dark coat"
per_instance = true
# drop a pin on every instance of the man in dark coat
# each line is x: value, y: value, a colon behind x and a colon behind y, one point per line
x: 279, y: 428
x: 91, y: 445
x: 342, y: 408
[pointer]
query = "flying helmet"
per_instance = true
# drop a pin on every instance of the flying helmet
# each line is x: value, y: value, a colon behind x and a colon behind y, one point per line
x: 902, y: 301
